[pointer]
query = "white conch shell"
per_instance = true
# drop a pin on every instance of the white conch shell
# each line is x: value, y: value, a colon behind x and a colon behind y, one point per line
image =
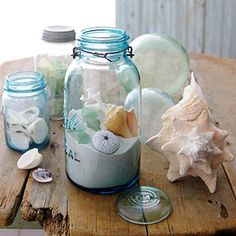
x: 30, y: 159
x: 194, y: 146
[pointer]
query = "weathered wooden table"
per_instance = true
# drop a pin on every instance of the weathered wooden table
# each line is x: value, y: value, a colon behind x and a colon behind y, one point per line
x: 63, y: 209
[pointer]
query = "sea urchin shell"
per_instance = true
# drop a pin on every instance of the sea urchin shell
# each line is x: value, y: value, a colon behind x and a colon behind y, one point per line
x: 105, y: 142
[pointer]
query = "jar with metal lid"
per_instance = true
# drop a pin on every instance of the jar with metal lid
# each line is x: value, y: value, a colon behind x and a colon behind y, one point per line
x: 26, y: 111
x: 101, y: 118
x: 52, y: 61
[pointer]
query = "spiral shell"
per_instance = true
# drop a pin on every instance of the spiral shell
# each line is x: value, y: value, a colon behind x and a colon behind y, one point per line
x: 194, y: 145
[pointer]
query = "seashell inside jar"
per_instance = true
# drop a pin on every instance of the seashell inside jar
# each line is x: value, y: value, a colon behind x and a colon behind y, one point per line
x: 26, y: 112
x: 102, y: 153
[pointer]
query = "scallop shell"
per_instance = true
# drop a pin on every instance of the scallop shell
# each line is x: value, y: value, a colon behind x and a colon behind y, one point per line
x: 105, y: 142
x: 121, y: 122
x: 42, y: 175
x: 193, y: 145
x: 38, y: 130
x: 30, y: 159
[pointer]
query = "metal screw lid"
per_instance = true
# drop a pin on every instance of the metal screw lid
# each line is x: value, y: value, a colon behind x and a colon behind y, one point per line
x: 58, y: 34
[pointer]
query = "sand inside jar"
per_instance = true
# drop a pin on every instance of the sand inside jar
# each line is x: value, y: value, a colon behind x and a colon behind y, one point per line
x: 92, y: 169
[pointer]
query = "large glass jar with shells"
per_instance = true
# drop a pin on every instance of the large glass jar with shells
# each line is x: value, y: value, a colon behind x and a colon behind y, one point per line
x: 102, y: 144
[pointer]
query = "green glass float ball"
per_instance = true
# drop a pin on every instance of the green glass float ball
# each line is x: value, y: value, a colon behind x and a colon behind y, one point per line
x: 161, y: 61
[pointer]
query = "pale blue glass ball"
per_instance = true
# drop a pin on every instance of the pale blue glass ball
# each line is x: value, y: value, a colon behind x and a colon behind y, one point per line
x: 154, y: 104
x: 162, y: 62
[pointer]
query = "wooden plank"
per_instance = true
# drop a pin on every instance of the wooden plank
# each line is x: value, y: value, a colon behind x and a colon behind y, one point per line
x: 195, y: 209
x: 62, y: 209
x: 13, y: 181
x: 48, y: 203
x: 218, y: 80
x: 195, y: 25
x: 165, y: 16
x: 207, y: 26
x: 232, y: 50
x: 152, y: 17
x: 92, y: 214
x: 213, y: 37
x: 179, y: 20
x: 226, y: 29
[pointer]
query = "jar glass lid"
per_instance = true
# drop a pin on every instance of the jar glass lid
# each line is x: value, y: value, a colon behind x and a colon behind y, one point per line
x: 143, y: 205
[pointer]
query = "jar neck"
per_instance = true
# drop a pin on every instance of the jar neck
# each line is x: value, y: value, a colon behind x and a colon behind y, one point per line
x: 108, y: 43
x: 24, y: 82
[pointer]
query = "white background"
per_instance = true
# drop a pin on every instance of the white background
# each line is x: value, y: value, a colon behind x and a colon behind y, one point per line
x: 22, y: 21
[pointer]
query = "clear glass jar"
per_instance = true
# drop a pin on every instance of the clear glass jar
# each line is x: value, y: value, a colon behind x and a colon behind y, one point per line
x: 102, y: 144
x: 52, y: 61
x: 26, y: 111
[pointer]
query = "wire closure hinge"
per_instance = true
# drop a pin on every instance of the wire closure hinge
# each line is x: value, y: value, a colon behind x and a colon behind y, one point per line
x: 130, y: 52
x: 77, y: 51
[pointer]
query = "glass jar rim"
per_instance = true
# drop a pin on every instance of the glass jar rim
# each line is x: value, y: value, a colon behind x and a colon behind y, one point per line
x: 102, y: 40
x: 24, y: 81
x: 106, y: 35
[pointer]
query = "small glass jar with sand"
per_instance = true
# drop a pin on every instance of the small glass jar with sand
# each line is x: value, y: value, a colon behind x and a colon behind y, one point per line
x: 102, y: 145
x: 26, y: 111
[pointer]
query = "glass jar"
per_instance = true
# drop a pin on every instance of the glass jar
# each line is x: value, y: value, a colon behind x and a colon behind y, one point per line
x: 26, y: 111
x: 52, y: 61
x: 102, y: 144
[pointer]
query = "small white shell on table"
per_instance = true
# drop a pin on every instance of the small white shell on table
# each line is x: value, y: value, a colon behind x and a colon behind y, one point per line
x: 30, y: 159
